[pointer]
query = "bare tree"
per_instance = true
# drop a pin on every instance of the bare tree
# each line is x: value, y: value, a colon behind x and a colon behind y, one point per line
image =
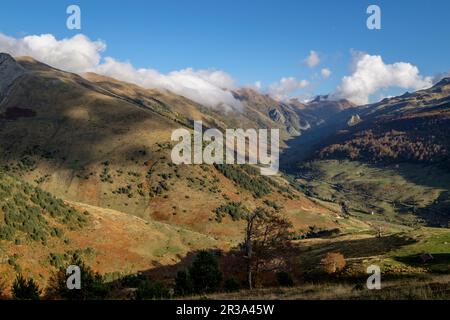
x: 266, y: 233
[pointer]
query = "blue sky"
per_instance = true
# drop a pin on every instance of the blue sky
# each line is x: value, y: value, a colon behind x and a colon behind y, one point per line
x: 251, y: 40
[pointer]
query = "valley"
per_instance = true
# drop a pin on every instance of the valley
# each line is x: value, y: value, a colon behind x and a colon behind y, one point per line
x: 86, y: 171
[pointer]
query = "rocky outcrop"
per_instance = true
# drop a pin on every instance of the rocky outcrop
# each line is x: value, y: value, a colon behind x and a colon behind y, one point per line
x: 10, y: 70
x: 354, y: 120
x: 276, y: 116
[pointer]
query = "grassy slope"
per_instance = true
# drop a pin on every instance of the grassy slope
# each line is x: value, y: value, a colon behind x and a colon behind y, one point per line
x: 112, y: 243
x: 119, y: 157
x: 404, y: 276
x: 114, y: 150
x: 408, y: 194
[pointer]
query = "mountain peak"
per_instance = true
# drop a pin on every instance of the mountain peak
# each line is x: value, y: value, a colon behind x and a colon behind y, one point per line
x: 10, y: 70
x: 320, y: 98
x: 5, y: 57
x: 443, y: 82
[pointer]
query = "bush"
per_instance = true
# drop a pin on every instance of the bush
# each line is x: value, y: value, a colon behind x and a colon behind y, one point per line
x: 25, y: 289
x: 235, y: 209
x: 183, y: 284
x: 273, y: 204
x: 93, y: 286
x: 246, y: 177
x: 3, y: 289
x: 316, y: 232
x: 133, y: 281
x: 231, y: 285
x: 25, y: 209
x: 284, y: 279
x: 333, y: 263
x: 205, y: 274
x: 148, y: 290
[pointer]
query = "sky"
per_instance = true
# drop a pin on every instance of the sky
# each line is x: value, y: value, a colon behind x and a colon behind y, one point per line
x: 202, y: 48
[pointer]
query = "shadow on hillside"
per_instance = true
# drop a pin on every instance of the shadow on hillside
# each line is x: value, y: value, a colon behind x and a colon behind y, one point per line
x: 427, y: 177
x: 298, y: 259
x: 74, y: 122
x: 437, y: 213
x: 303, y: 147
x: 436, y: 176
x: 439, y: 263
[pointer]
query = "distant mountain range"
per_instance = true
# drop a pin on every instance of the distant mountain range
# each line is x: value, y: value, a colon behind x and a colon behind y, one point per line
x: 413, y: 127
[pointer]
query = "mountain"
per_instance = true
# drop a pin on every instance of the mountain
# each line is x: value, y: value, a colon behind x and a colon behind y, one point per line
x: 413, y: 127
x: 390, y: 157
x: 85, y: 170
x: 319, y: 110
x: 106, y: 143
x: 269, y: 112
x: 39, y: 233
x: 10, y: 71
x: 259, y: 111
x: 101, y: 147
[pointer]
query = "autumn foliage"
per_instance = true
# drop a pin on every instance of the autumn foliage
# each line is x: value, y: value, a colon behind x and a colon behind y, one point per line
x: 333, y: 263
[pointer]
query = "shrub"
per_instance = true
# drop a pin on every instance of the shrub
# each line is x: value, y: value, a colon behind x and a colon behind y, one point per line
x: 273, y: 204
x: 246, y: 177
x: 231, y: 285
x: 56, y: 260
x: 25, y: 289
x: 333, y: 263
x: 316, y: 232
x: 3, y: 289
x: 25, y: 209
x: 133, y: 281
x: 148, y: 290
x: 205, y: 274
x: 235, y: 209
x: 93, y: 286
x: 284, y: 279
x: 183, y: 284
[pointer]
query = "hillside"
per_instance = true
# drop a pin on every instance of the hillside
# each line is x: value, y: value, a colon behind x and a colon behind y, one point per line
x: 104, y: 146
x: 387, y: 160
x: 404, y: 275
x: 119, y: 151
x: 321, y: 110
x: 412, y: 128
x: 86, y: 170
x: 40, y: 233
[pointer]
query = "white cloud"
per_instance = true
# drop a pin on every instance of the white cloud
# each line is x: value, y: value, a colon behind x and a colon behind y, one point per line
x: 281, y: 89
x: 371, y: 74
x: 257, y: 86
x: 80, y: 54
x: 326, y: 73
x: 312, y: 60
x: 76, y: 54
x: 203, y: 86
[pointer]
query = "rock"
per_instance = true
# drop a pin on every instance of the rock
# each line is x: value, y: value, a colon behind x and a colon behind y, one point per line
x: 426, y: 257
x: 354, y: 120
x: 292, y: 131
x: 276, y: 116
x: 10, y: 70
